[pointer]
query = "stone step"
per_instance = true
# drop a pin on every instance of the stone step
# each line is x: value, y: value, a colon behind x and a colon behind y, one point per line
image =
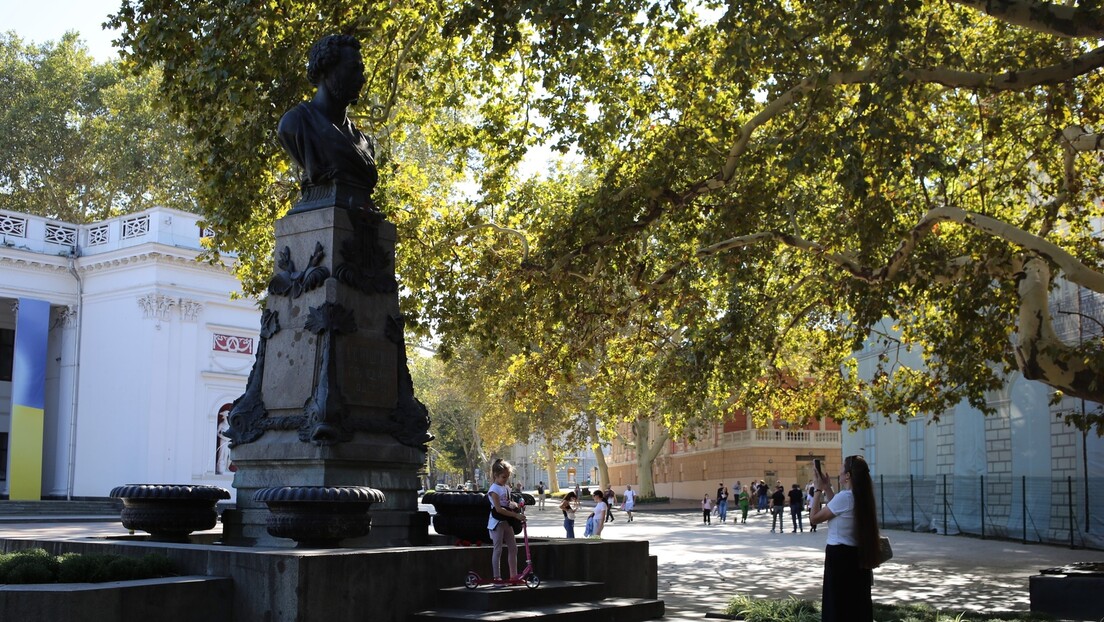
x: 607, y: 610
x: 554, y: 600
x: 61, y: 507
x: 490, y: 598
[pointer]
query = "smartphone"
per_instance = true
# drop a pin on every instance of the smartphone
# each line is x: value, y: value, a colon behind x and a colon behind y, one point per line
x: 817, y: 468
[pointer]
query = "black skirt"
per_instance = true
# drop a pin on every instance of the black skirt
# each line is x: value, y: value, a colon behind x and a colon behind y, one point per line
x: 847, y: 584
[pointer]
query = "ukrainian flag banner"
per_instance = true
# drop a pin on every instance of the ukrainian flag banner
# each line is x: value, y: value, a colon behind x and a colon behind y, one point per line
x: 32, y: 324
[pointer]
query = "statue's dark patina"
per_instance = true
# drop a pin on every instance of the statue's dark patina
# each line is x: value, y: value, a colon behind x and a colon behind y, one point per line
x: 337, y: 161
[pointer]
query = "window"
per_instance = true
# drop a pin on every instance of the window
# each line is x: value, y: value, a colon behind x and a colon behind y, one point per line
x: 870, y: 448
x: 7, y: 354
x: 916, y: 447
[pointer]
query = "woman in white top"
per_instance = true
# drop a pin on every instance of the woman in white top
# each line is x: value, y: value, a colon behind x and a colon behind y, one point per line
x: 628, y: 502
x: 852, y: 549
x: 597, y: 521
x: 501, y: 531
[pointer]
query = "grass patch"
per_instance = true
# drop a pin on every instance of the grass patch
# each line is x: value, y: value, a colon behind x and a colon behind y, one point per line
x: 793, y: 610
x: 38, y: 566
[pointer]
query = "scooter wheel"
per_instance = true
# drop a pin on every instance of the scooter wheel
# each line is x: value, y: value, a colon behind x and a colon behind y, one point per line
x: 532, y: 581
x: 472, y: 581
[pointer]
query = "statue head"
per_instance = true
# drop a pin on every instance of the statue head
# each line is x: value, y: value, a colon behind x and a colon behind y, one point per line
x: 334, y: 64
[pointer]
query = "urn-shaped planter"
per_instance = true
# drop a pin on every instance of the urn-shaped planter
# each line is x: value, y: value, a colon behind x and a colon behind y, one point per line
x: 169, y: 511
x: 318, y: 516
x: 464, y: 514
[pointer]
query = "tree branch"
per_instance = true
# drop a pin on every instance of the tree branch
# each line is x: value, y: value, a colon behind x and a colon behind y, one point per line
x: 1040, y: 354
x: 500, y: 229
x: 951, y: 78
x: 1075, y: 271
x: 1045, y: 17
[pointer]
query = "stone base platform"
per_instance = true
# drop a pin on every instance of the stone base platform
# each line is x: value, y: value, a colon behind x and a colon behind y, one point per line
x: 383, y: 584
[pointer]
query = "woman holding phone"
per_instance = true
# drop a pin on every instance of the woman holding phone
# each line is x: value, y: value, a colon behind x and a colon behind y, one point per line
x: 852, y: 549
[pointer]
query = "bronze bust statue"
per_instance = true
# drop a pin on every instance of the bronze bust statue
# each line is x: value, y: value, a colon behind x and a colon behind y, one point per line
x: 337, y: 161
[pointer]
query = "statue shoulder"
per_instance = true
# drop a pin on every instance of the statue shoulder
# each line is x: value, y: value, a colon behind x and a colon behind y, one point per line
x: 295, y: 118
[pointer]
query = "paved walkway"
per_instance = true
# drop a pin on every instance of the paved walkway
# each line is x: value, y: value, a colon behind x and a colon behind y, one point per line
x: 701, y: 566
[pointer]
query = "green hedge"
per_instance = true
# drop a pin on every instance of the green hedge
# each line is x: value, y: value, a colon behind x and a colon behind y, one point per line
x: 38, y: 566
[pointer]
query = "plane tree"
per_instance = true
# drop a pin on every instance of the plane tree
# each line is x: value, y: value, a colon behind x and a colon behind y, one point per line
x: 83, y: 140
x: 760, y: 183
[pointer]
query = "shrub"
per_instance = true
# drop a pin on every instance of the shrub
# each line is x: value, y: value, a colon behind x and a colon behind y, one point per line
x: 38, y: 566
x: 29, y: 566
x: 792, y: 610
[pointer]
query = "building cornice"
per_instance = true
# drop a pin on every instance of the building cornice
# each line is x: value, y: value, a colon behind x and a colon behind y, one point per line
x: 147, y: 254
x: 32, y: 261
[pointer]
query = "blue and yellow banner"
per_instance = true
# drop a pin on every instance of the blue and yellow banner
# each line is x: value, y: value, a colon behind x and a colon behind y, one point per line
x: 32, y: 325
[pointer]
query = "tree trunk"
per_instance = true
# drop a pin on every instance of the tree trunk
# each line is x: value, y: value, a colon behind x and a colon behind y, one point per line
x: 550, y: 467
x: 646, y: 453
x: 599, y: 456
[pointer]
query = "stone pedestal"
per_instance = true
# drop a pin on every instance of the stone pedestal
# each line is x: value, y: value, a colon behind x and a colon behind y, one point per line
x: 330, y: 401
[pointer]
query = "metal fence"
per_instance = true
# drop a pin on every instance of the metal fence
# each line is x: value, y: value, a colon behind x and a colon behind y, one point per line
x: 1067, y: 511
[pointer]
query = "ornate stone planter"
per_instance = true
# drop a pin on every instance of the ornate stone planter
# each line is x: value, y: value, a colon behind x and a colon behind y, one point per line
x: 318, y: 516
x: 463, y: 514
x: 169, y: 511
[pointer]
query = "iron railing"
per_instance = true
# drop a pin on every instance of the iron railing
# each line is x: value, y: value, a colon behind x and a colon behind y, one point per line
x: 1028, y: 509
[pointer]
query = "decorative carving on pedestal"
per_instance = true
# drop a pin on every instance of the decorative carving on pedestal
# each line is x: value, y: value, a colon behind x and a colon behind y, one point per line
x: 411, y: 417
x: 156, y: 306
x: 325, y: 410
x: 292, y: 282
x: 248, y: 411
x: 189, y: 309
x: 366, y: 265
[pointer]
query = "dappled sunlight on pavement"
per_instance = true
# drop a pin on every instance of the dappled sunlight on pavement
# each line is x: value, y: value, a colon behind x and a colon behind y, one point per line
x: 701, y: 567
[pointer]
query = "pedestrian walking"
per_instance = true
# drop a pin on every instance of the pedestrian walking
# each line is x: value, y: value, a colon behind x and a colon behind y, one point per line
x: 777, y: 503
x: 628, y: 502
x: 852, y: 546
x: 597, y: 519
x: 707, y: 510
x: 722, y: 501
x: 809, y: 491
x: 540, y: 495
x: 797, y: 506
x: 610, y: 498
x: 745, y: 504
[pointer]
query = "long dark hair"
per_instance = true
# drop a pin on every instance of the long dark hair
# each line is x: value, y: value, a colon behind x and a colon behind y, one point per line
x: 866, y: 515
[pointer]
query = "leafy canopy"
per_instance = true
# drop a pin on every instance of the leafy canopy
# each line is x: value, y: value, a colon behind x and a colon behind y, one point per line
x: 758, y: 184
x: 85, y: 141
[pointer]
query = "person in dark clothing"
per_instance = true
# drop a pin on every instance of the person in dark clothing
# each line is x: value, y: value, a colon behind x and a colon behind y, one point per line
x: 777, y: 503
x: 797, y: 504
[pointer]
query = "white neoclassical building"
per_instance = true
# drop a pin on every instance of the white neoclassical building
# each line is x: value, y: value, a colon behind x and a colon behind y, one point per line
x: 145, y: 349
x: 1022, y: 473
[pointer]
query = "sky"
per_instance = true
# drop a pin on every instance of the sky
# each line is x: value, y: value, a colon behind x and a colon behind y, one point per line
x: 48, y: 20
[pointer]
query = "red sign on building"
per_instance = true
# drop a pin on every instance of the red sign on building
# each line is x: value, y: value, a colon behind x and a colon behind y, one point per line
x: 233, y: 344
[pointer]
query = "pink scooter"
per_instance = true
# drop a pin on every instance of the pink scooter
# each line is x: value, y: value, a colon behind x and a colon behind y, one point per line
x: 527, y: 577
